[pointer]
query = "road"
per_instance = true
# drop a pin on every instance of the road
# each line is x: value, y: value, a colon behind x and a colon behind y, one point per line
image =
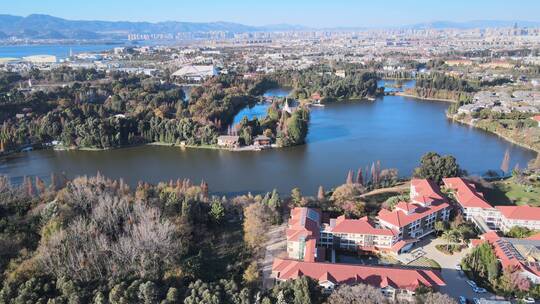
x: 456, y: 281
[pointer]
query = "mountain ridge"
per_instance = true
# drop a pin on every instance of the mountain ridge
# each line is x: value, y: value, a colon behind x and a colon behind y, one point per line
x: 41, y: 26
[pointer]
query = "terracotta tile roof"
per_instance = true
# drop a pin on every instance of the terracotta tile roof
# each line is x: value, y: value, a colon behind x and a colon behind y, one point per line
x: 406, y: 207
x: 426, y: 199
x: 537, y: 118
x: 535, y: 237
x: 378, y: 276
x: 527, y: 213
x: 360, y: 226
x: 304, y: 223
x: 401, y: 219
x: 426, y: 192
x: 466, y: 194
x: 506, y: 253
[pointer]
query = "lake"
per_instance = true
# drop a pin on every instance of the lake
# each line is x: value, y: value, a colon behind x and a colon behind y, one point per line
x: 393, y: 129
x: 61, y: 51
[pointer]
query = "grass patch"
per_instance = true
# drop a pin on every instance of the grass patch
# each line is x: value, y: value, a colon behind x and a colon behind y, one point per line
x: 510, y: 193
x: 425, y: 262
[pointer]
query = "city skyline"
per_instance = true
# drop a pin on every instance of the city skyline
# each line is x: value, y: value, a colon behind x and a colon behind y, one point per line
x: 315, y: 14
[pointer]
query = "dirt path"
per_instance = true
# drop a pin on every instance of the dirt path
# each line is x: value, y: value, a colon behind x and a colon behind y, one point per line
x: 276, y: 244
x: 399, y: 188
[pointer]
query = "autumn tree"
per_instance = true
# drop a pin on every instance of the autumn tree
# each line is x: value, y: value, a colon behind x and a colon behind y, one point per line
x: 357, y: 294
x: 256, y: 223
x: 320, y: 194
x: 505, y: 164
x: 434, y: 297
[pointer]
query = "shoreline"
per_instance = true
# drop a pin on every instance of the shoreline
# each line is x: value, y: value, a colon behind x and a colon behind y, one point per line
x: 508, y: 139
x: 403, y: 94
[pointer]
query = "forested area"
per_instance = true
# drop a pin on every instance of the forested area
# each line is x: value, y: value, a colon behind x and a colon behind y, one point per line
x: 93, y: 240
x: 357, y: 84
x: 121, y: 110
x: 96, y: 240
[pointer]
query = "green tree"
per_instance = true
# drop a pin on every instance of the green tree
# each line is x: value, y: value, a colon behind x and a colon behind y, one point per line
x: 435, y: 167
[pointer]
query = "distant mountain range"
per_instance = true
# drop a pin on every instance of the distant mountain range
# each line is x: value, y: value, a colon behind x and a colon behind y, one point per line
x: 48, y: 27
x: 38, y: 26
x: 473, y: 24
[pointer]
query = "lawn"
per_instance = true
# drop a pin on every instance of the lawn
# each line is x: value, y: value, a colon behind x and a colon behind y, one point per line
x: 425, y: 262
x: 510, y: 193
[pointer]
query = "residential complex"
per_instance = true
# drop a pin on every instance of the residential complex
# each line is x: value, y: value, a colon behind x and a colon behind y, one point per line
x: 395, y: 283
x: 486, y: 217
x: 392, y: 231
x: 523, y: 254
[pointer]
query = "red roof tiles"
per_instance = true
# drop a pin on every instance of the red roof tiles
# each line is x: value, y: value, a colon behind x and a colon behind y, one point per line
x: 526, y: 213
x: 378, y: 276
x: 466, y: 194
x: 360, y: 226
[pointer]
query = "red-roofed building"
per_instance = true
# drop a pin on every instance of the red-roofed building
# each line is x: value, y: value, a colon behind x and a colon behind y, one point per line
x: 395, y: 283
x: 393, y: 231
x: 524, y: 216
x: 415, y: 219
x: 362, y: 234
x: 523, y: 254
x: 303, y: 233
x: 486, y: 217
x: 537, y: 119
x: 472, y: 203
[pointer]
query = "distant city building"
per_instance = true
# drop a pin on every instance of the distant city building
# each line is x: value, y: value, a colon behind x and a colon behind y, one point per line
x: 196, y: 72
x: 40, y: 59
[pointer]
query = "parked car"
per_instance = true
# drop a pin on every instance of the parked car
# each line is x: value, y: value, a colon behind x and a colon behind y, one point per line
x: 458, y: 267
x: 471, y: 283
x: 479, y: 290
x: 528, y: 300
x: 462, y: 300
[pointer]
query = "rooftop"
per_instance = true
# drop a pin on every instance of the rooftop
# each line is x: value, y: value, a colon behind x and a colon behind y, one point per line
x: 378, y: 276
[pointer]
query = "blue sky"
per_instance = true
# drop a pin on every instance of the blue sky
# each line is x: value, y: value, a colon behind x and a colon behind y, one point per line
x: 315, y: 13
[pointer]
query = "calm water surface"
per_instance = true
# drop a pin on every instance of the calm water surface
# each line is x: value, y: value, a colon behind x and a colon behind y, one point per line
x: 395, y: 130
x: 61, y: 51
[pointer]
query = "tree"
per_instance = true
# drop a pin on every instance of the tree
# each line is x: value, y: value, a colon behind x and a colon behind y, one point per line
x: 357, y: 294
x: 251, y: 274
x: 505, y: 165
x: 320, y: 194
x: 513, y: 281
x: 435, y: 297
x: 296, y: 197
x: 349, y: 180
x: 440, y: 226
x: 302, y: 290
x: 450, y: 236
x: 217, y: 211
x: 256, y: 222
x: 520, y: 232
x: 435, y: 167
x: 148, y: 293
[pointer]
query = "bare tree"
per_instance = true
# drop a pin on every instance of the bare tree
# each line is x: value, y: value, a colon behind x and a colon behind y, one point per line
x: 320, y: 194
x: 107, y: 235
x: 357, y: 294
x: 349, y: 180
x: 505, y: 165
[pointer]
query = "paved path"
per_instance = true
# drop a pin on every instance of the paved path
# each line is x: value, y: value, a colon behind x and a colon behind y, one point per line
x: 456, y: 281
x: 276, y: 245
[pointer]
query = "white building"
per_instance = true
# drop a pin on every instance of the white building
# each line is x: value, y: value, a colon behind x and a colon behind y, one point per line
x: 196, y: 72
